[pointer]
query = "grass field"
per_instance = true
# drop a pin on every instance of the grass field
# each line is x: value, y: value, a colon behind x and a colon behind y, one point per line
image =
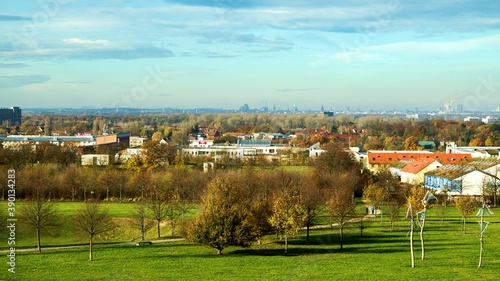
x: 377, y: 255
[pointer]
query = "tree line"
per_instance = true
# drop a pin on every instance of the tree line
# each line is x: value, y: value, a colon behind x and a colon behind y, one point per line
x: 368, y: 132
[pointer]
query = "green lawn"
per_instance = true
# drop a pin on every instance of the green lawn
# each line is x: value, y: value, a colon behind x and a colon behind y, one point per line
x: 378, y: 255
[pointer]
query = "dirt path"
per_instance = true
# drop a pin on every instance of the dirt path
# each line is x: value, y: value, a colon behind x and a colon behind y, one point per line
x: 19, y: 250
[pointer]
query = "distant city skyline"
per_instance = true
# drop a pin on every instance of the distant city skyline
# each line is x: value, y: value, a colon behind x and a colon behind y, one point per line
x: 366, y: 54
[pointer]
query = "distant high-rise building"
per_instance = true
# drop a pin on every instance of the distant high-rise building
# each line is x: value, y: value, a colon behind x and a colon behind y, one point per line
x: 10, y: 116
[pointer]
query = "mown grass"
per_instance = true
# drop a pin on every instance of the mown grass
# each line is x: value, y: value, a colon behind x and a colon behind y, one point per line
x: 379, y: 254
x: 67, y: 234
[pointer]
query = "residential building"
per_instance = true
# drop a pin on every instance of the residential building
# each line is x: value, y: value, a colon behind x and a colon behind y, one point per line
x: 490, y: 119
x: 470, y: 179
x: 243, y: 149
x: 14, y: 141
x: 475, y: 151
x: 95, y: 159
x: 377, y: 160
x: 137, y: 141
x: 120, y: 139
x: 414, y: 172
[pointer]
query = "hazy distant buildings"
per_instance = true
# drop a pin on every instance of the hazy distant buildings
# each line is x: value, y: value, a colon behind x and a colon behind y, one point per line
x: 10, y: 116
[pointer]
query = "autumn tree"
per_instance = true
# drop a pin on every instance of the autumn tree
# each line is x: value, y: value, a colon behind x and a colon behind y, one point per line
x: 223, y: 220
x: 287, y: 217
x: 94, y: 220
x: 70, y: 180
x: 411, y: 143
x: 386, y: 191
x: 466, y: 205
x: 341, y: 203
x: 311, y: 201
x: 107, y: 179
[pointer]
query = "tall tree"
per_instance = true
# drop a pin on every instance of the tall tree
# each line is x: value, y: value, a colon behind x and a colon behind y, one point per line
x: 94, y: 220
x: 287, y: 218
x: 341, y: 203
x: 311, y: 200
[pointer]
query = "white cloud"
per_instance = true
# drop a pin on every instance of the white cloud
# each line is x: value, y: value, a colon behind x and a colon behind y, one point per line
x: 87, y: 42
x: 392, y: 51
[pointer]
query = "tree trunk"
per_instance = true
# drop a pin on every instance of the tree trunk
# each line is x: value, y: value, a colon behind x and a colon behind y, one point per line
x: 422, y: 233
x: 39, y: 247
x: 90, y: 248
x: 158, y: 226
x: 307, y: 231
x: 481, y: 250
x: 411, y: 245
x: 286, y: 244
x: 463, y: 225
x: 143, y: 231
x: 341, y: 233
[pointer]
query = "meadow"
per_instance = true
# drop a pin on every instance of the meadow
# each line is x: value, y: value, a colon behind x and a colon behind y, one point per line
x: 379, y: 254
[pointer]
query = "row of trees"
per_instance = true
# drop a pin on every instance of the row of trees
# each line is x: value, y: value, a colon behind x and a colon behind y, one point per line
x: 76, y: 183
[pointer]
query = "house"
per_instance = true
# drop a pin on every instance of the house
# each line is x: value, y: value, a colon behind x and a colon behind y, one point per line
x: 475, y: 151
x: 414, y: 172
x: 236, y: 135
x: 315, y: 150
x: 427, y: 145
x: 120, y: 139
x: 243, y: 149
x: 467, y: 179
x: 377, y: 160
x: 137, y: 141
x: 95, y: 160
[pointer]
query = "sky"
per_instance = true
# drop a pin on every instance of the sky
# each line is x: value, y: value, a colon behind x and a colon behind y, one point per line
x: 363, y: 54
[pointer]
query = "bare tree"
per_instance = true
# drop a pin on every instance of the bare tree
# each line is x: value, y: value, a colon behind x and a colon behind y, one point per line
x: 141, y: 220
x: 157, y: 202
x: 312, y: 201
x: 94, y: 220
x: 40, y: 215
x: 341, y: 201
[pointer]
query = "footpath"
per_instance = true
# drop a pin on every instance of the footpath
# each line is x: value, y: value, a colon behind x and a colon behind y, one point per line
x: 95, y: 245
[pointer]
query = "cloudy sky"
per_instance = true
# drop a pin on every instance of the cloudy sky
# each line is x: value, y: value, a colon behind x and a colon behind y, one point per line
x: 367, y: 54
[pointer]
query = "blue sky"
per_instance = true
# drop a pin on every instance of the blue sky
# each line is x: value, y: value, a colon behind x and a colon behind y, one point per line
x: 367, y: 54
